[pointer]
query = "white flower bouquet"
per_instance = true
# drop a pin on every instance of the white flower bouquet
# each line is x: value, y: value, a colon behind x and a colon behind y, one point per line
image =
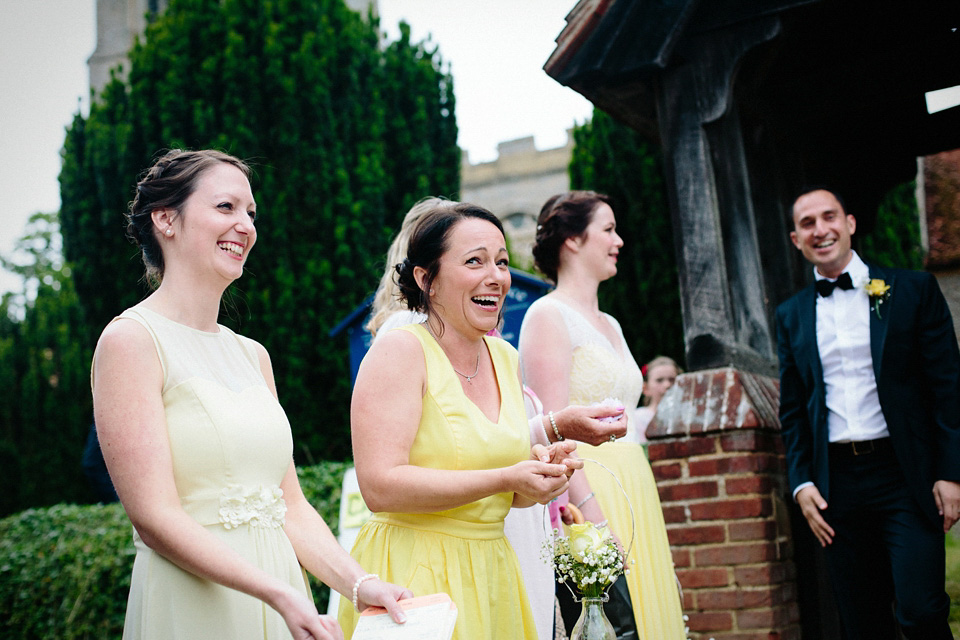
x: 589, y: 558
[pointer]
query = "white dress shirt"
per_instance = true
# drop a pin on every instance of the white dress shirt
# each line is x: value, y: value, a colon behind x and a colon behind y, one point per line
x: 843, y: 339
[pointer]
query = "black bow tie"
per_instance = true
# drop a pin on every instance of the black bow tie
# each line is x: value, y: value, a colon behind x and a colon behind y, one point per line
x: 826, y: 287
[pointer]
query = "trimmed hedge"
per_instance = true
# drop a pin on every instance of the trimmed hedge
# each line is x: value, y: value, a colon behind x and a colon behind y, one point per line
x: 65, y: 570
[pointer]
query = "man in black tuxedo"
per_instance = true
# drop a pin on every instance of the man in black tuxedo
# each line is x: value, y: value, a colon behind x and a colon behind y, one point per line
x: 870, y: 415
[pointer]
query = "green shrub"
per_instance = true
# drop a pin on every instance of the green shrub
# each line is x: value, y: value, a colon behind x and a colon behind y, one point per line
x: 65, y: 570
x: 322, y: 484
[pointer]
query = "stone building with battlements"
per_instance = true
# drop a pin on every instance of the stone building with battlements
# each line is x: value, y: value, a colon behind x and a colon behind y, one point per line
x: 515, y: 186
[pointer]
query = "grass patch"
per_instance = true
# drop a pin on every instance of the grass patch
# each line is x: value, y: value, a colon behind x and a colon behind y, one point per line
x: 953, y: 582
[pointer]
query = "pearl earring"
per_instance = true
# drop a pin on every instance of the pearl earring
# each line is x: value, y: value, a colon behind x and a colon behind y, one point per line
x: 169, y: 231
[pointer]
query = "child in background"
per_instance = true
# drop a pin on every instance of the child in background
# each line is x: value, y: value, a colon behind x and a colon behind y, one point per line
x: 658, y: 375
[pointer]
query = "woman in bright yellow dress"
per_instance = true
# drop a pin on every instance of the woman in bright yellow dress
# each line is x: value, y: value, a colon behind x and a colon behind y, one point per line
x: 441, y: 441
x: 572, y: 353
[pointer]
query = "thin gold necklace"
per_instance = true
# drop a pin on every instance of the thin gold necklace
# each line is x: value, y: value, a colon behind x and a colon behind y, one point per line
x: 468, y: 378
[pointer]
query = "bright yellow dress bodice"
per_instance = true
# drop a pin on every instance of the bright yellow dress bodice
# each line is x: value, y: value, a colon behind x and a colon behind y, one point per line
x: 460, y: 551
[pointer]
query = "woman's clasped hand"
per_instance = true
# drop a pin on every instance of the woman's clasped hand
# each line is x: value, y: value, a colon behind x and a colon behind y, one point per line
x: 547, y: 474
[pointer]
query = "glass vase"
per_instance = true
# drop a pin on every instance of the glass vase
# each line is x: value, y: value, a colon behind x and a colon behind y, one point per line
x: 593, y: 623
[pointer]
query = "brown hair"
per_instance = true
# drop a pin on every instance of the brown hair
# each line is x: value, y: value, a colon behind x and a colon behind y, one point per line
x: 659, y: 361
x: 386, y: 300
x: 428, y: 243
x: 565, y: 215
x: 167, y: 185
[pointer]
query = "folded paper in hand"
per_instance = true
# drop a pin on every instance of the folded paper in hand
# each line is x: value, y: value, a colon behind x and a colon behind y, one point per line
x: 428, y: 618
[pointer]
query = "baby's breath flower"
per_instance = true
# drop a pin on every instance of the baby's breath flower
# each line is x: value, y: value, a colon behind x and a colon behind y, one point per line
x: 589, y: 558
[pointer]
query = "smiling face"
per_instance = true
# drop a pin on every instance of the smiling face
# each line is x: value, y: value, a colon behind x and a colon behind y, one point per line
x: 471, y: 285
x: 599, y: 247
x: 214, y: 231
x: 822, y: 232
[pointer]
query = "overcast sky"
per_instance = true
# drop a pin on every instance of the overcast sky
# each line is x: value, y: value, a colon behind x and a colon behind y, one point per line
x: 496, y: 49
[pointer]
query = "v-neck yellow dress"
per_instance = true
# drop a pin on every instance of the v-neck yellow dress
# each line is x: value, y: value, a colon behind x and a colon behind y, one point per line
x: 460, y: 551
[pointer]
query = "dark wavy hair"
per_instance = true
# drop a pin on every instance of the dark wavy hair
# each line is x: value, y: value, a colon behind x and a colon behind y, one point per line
x: 167, y: 185
x: 563, y: 216
x: 428, y: 242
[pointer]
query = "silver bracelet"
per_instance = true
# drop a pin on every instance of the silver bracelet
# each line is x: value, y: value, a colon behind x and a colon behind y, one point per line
x: 602, y: 523
x: 584, y: 501
x: 553, y: 423
x: 356, y: 587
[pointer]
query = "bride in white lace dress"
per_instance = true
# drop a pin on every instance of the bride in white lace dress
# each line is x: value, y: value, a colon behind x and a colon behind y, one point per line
x: 572, y: 353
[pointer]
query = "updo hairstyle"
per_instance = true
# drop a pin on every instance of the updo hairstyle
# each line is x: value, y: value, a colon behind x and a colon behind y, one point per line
x: 167, y: 185
x: 565, y: 215
x: 428, y: 243
x: 386, y: 300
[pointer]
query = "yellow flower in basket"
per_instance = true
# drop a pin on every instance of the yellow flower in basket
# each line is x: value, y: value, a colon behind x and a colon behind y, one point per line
x: 585, y: 538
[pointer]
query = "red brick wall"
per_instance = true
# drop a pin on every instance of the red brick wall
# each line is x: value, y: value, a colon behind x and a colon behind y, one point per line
x: 718, y: 461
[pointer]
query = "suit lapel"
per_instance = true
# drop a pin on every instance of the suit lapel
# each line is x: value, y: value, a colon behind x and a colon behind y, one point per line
x: 879, y: 325
x: 808, y: 325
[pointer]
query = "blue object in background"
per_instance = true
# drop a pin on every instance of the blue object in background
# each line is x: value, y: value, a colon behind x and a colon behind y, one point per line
x: 523, y: 291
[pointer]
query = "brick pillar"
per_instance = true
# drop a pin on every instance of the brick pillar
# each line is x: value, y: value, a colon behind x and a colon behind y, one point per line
x: 718, y: 460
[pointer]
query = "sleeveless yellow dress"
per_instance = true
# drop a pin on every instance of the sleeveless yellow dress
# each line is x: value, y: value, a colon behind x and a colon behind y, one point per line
x: 599, y: 371
x: 460, y: 551
x: 231, y: 446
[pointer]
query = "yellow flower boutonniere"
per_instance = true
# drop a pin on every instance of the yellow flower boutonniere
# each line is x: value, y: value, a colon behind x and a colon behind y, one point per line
x: 878, y: 290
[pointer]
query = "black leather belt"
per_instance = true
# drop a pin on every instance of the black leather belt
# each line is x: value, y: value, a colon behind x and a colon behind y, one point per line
x: 860, y: 447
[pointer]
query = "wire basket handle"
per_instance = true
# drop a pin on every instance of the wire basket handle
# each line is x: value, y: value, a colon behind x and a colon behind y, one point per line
x: 633, y: 517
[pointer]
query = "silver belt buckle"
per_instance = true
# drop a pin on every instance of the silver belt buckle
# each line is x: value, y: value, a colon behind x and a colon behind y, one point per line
x: 862, y: 447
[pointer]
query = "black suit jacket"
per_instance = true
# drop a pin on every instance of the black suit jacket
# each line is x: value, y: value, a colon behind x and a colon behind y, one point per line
x: 917, y: 367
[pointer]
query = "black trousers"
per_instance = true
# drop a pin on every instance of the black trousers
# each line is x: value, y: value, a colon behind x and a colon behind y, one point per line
x: 886, y: 557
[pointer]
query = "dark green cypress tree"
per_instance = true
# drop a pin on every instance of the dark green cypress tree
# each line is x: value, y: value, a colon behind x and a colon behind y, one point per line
x: 644, y: 296
x: 344, y: 133
x: 45, y: 409
x: 895, y: 238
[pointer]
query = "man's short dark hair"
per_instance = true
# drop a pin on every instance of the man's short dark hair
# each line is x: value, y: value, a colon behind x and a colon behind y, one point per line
x: 804, y: 190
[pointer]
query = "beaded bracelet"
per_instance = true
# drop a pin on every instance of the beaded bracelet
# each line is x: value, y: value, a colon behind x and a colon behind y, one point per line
x: 356, y: 587
x: 584, y: 501
x: 553, y: 423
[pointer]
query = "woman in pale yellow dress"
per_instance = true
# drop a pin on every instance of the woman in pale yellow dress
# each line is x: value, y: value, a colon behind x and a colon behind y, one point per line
x: 197, y: 445
x: 572, y: 353
x: 440, y: 437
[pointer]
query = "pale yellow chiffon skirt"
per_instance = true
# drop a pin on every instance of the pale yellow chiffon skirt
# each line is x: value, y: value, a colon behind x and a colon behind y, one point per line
x: 651, y: 581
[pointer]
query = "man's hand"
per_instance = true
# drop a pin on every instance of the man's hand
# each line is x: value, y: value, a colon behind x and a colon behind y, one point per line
x: 947, y: 496
x: 811, y: 504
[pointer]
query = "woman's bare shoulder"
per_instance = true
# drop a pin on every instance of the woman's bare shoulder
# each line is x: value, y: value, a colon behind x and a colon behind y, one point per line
x: 124, y: 336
